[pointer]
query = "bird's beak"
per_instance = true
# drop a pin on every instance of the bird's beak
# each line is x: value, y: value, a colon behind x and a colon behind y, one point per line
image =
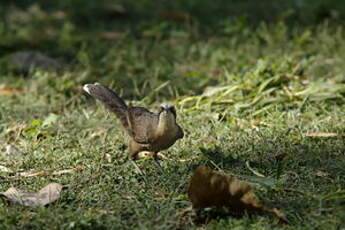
x: 165, y: 107
x: 87, y: 87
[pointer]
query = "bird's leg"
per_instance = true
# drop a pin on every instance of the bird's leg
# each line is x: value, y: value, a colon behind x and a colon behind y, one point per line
x: 132, y: 158
x: 156, y: 159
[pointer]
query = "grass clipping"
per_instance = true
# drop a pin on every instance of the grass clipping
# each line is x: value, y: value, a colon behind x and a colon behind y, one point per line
x: 212, y: 189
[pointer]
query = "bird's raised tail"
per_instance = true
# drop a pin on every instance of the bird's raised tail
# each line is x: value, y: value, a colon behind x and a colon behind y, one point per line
x: 110, y: 99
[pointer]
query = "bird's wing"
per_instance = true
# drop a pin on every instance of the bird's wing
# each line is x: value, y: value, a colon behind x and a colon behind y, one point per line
x: 142, y: 124
x: 180, y: 133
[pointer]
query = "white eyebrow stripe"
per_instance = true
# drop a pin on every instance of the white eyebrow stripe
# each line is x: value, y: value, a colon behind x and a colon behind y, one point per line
x: 86, y: 88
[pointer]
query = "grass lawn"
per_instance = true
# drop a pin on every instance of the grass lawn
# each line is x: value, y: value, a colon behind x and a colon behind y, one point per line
x: 252, y: 99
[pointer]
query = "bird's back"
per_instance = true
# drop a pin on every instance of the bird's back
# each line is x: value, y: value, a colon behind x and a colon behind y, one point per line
x: 142, y: 124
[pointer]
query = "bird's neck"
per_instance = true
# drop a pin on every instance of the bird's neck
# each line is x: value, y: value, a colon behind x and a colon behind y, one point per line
x: 166, y: 124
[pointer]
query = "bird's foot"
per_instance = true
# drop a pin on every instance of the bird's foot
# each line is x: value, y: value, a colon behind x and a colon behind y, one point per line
x: 156, y: 159
x: 143, y: 155
x: 136, y: 167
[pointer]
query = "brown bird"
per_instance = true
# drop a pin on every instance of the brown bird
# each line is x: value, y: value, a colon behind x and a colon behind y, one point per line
x: 148, y: 131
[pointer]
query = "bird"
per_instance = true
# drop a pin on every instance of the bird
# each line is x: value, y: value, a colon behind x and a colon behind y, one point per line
x: 148, y: 131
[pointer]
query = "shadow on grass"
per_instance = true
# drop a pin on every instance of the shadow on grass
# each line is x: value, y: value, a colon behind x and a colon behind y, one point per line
x: 205, y: 216
x: 219, y: 157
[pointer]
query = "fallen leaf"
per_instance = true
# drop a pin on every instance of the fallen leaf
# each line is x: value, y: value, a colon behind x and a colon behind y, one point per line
x: 8, y: 91
x: 320, y: 134
x: 46, y: 195
x: 211, y: 189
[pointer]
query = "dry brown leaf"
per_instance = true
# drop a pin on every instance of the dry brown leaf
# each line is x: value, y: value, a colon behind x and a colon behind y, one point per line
x: 211, y: 189
x: 46, y: 195
x: 320, y: 134
x: 8, y: 91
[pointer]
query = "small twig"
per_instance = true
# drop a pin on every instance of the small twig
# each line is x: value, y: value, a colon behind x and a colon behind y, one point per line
x: 216, y: 166
x: 178, y: 160
x: 254, y: 171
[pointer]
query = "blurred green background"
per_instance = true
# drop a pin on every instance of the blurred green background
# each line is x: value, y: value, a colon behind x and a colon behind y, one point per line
x: 130, y: 42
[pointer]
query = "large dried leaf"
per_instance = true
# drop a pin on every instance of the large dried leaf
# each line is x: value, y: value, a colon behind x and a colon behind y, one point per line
x: 46, y: 195
x: 211, y: 189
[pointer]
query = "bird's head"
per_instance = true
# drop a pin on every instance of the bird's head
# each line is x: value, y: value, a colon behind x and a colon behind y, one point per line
x: 166, y: 108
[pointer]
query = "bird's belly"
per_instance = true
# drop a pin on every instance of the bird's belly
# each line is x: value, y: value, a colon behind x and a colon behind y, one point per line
x: 162, y: 143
